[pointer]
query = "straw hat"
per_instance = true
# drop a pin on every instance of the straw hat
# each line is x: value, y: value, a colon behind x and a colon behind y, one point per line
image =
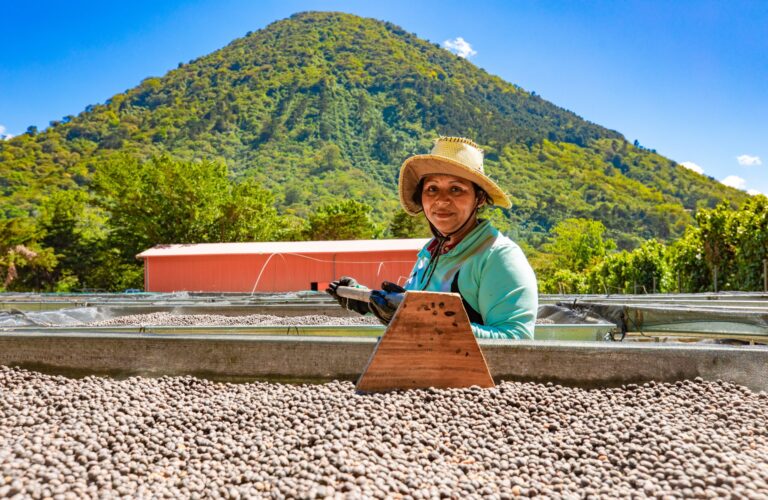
x: 450, y: 156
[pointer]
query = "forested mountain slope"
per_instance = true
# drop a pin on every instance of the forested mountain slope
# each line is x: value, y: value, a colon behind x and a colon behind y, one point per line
x: 323, y: 106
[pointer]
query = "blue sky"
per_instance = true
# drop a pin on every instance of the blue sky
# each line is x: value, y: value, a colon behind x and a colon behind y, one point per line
x: 687, y: 78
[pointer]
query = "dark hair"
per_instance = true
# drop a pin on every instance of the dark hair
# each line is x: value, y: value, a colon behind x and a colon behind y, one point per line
x: 416, y: 198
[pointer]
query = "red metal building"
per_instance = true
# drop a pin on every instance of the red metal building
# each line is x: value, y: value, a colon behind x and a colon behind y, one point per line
x: 276, y: 266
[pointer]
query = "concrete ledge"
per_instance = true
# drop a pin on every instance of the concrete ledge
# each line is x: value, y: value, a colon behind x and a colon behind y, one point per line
x: 601, y: 364
x: 220, y: 357
x: 317, y: 359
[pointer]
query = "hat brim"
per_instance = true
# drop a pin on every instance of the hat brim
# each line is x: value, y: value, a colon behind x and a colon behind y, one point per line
x: 416, y: 167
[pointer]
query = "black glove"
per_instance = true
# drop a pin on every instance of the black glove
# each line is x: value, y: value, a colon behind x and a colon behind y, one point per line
x: 385, y: 302
x: 353, y: 305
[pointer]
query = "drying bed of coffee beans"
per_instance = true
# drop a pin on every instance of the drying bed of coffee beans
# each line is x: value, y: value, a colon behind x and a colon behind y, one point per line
x: 170, y: 319
x: 182, y: 437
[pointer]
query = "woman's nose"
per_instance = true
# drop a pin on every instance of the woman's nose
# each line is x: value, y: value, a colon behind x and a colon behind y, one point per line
x: 443, y: 196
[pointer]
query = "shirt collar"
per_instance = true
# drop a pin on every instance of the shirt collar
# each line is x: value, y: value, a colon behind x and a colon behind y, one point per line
x: 470, y: 237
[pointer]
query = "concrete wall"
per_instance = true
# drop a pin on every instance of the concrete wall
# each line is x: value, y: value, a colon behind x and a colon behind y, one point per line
x: 316, y: 359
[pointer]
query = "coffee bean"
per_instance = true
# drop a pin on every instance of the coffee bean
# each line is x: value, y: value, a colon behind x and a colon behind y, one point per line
x: 177, y: 437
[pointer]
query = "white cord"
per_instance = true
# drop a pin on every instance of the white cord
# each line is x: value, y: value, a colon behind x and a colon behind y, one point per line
x: 378, y: 271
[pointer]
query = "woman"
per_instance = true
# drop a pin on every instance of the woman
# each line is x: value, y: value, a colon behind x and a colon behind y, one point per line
x: 467, y: 255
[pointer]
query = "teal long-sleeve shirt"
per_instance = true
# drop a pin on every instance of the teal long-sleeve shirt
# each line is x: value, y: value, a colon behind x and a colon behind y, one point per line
x: 495, y: 279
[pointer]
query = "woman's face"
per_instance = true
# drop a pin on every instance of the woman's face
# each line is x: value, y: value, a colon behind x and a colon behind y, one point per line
x: 448, y: 201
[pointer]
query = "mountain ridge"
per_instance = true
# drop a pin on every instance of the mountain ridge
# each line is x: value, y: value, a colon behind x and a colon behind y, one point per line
x: 318, y: 105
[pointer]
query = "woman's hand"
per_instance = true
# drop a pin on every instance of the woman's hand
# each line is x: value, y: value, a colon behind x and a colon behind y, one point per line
x: 353, y: 305
x: 385, y: 302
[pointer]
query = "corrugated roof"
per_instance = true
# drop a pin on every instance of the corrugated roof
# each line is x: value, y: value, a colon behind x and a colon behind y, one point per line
x: 284, y: 247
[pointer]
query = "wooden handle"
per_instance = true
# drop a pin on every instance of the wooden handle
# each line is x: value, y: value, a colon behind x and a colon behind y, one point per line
x: 348, y: 292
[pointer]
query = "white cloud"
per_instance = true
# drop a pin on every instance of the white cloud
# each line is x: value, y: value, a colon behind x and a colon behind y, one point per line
x: 692, y: 166
x: 753, y: 192
x: 734, y: 181
x: 460, y: 47
x: 749, y: 161
x: 3, y: 135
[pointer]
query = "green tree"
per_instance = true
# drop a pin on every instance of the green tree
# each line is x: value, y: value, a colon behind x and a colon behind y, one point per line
x: 403, y: 225
x: 329, y: 158
x: 161, y: 201
x: 23, y: 261
x: 717, y: 238
x: 614, y: 274
x: 650, y: 272
x: 566, y: 281
x: 248, y: 214
x: 77, y: 232
x: 345, y: 220
x: 643, y: 270
x: 750, y: 226
x: 734, y: 242
x: 165, y: 201
x: 578, y: 243
x: 687, y: 263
